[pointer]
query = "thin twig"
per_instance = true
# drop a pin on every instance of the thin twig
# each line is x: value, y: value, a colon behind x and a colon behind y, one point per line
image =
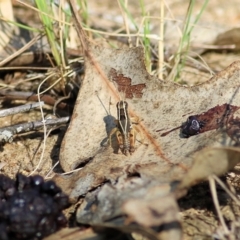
x: 228, y: 191
x: 62, y: 174
x: 125, y: 20
x: 161, y: 43
x: 46, y: 135
x: 85, y: 45
x: 44, y: 128
x: 25, y: 68
x: 7, y: 133
x: 202, y: 66
x: 116, y: 34
x: 51, y: 170
x: 40, y: 12
x: 216, y: 203
x: 20, y: 109
x: 21, y: 50
x: 214, y: 47
x: 30, y: 96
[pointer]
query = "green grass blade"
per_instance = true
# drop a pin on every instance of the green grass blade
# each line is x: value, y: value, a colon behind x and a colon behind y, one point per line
x: 45, y: 7
x: 184, y: 45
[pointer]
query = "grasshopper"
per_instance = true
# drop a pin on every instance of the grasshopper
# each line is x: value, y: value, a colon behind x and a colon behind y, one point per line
x: 125, y: 131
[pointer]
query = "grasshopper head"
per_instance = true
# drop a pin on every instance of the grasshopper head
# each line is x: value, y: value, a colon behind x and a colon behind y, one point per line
x: 122, y: 105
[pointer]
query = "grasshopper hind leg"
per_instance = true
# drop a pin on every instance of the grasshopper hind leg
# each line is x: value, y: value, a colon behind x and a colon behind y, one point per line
x: 132, y: 140
x: 117, y: 142
x: 120, y: 140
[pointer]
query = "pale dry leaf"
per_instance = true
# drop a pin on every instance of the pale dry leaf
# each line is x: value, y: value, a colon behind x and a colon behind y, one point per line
x: 228, y: 38
x: 2, y: 164
x: 132, y: 206
x: 74, y: 233
x: 151, y: 213
x: 7, y: 29
x: 212, y: 161
x: 162, y: 106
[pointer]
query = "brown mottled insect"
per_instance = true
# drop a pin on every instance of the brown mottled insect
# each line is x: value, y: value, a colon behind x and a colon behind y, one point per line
x: 125, y: 131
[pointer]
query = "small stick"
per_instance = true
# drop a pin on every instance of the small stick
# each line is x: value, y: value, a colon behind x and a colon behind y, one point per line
x: 228, y: 191
x: 212, y: 186
x: 20, y: 109
x: 161, y: 42
x: 21, y: 50
x: 7, y: 133
x: 30, y: 96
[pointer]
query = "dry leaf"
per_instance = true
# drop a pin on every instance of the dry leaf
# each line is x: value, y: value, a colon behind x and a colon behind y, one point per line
x: 153, y: 213
x: 74, y: 233
x: 217, y: 161
x: 229, y: 38
x: 6, y: 28
x: 132, y: 206
x: 210, y: 116
x: 163, y: 108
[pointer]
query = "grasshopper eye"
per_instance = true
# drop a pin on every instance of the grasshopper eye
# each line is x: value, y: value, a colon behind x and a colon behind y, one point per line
x: 125, y: 104
x: 122, y: 105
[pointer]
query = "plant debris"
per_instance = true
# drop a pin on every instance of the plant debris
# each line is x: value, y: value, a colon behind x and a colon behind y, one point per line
x: 30, y: 208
